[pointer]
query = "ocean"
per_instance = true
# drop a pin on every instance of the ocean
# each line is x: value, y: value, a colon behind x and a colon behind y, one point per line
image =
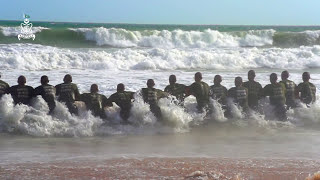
x: 34, y: 145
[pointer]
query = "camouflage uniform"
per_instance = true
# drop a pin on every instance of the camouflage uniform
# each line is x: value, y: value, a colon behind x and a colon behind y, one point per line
x: 68, y: 93
x: 201, y: 91
x: 219, y: 93
x: 255, y: 93
x: 177, y: 90
x: 21, y: 94
x: 240, y: 96
x: 47, y: 92
x: 3, y: 88
x: 308, y: 92
x: 276, y: 93
x: 123, y: 100
x: 95, y: 103
x: 151, y: 96
x: 290, y: 93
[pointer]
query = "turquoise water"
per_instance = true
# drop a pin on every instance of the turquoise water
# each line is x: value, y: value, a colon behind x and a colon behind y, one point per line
x: 76, y: 35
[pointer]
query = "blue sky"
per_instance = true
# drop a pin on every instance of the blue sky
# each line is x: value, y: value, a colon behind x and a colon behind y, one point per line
x: 232, y: 12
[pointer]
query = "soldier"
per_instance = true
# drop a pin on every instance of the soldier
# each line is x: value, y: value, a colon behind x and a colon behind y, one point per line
x: 219, y: 92
x: 255, y: 91
x: 47, y: 92
x: 239, y: 94
x: 68, y: 93
x: 21, y: 93
x: 95, y: 102
x: 291, y: 91
x: 276, y: 92
x: 200, y: 90
x: 307, y: 90
x: 3, y: 87
x: 123, y: 99
x: 151, y: 96
x: 175, y: 89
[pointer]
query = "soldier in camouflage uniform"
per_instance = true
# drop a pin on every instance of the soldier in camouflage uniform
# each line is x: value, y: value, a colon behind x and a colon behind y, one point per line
x: 307, y: 90
x: 68, y: 93
x: 276, y: 92
x: 123, y: 99
x: 3, y: 87
x: 219, y: 92
x: 291, y: 90
x: 95, y: 102
x: 175, y: 89
x: 239, y: 94
x: 21, y: 93
x: 255, y: 91
x: 47, y: 92
x: 151, y: 96
x: 200, y: 90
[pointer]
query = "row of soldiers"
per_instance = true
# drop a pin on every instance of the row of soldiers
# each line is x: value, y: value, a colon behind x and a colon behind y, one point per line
x: 282, y: 95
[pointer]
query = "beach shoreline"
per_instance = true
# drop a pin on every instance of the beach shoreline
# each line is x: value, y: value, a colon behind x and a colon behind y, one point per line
x: 164, y: 168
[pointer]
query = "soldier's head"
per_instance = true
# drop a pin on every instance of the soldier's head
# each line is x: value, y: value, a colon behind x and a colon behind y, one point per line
x: 120, y: 87
x: 198, y: 77
x: 22, y: 80
x: 305, y: 76
x: 94, y: 88
x: 150, y: 83
x: 67, y: 78
x: 284, y: 75
x: 44, y: 80
x: 273, y: 78
x: 238, y: 81
x: 217, y: 79
x: 251, y: 75
x: 172, y: 79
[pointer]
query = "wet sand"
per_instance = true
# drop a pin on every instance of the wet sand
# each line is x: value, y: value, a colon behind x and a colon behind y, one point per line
x: 165, y: 168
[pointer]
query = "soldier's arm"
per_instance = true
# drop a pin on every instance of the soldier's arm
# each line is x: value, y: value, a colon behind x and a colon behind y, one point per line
x: 110, y: 100
x: 265, y: 91
x: 104, y: 101
x: 76, y: 92
x: 37, y: 91
x: 131, y: 94
x: 57, y: 90
x: 260, y: 91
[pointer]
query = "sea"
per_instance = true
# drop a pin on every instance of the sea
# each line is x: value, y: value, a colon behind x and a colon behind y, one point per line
x: 188, y: 144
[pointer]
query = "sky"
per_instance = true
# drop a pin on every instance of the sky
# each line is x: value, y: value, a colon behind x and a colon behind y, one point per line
x: 224, y: 12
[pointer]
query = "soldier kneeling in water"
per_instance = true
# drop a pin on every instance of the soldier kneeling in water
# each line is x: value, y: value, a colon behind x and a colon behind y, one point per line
x: 307, y: 90
x: 239, y: 94
x: 276, y: 92
x: 3, y: 87
x: 47, y: 92
x: 68, y: 93
x: 21, y: 93
x: 175, y: 89
x: 95, y: 102
x: 200, y: 90
x: 151, y: 96
x: 123, y: 99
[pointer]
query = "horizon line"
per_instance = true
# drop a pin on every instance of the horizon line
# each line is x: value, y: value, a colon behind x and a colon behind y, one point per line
x: 43, y: 21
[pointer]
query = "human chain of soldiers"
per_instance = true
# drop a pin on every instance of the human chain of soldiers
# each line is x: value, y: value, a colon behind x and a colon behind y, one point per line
x: 282, y: 95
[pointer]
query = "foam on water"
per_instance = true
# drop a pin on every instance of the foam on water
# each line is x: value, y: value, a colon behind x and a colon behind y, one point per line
x: 35, y: 121
x: 38, y: 57
x: 175, y: 39
x: 15, y: 31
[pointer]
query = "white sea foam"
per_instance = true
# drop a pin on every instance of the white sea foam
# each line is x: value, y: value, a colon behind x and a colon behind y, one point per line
x: 175, y: 39
x: 37, y: 57
x: 15, y: 31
